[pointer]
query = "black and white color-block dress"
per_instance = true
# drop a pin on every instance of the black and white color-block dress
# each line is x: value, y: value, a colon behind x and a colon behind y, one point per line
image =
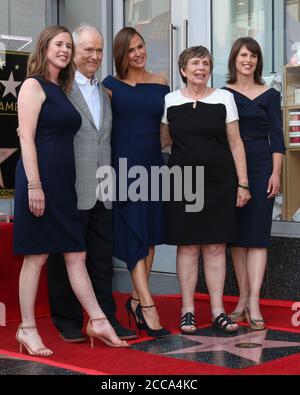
x: 198, y: 132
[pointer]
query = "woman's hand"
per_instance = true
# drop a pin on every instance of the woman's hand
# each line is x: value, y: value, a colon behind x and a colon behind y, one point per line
x: 273, y: 185
x: 36, y: 200
x: 165, y: 137
x: 243, y: 196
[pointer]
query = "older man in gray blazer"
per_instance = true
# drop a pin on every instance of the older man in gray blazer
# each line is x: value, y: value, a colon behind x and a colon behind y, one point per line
x: 92, y: 149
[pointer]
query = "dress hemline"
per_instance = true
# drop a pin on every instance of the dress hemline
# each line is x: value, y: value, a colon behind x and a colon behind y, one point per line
x: 41, y: 252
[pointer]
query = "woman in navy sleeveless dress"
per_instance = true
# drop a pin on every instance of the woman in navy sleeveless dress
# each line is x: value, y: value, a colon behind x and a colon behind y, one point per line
x: 46, y: 217
x: 137, y: 107
x: 59, y: 228
x: 261, y: 130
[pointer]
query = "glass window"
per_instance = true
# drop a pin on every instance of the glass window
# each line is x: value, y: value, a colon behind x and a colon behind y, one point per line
x: 232, y: 19
x: 17, y: 32
x: 292, y: 31
x: 77, y: 11
x: 152, y: 20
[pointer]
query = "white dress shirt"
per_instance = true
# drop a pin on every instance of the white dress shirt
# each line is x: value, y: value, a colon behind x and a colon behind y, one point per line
x: 90, y: 90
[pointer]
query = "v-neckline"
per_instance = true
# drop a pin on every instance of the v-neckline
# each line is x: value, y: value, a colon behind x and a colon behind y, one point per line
x: 234, y: 90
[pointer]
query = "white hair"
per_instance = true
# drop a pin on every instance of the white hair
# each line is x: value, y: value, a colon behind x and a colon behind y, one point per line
x: 81, y: 28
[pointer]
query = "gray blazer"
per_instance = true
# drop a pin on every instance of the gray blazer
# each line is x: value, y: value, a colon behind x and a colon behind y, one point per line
x: 92, y: 147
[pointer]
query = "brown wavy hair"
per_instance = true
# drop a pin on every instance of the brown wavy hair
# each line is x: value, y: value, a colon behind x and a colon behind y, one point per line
x: 252, y: 46
x: 121, y: 50
x: 38, y: 62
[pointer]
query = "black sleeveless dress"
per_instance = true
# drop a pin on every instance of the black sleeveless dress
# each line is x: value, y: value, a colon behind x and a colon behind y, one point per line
x: 198, y: 131
x: 59, y: 229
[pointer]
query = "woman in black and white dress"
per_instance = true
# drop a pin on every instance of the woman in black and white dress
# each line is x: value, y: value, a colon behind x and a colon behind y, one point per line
x: 201, y: 124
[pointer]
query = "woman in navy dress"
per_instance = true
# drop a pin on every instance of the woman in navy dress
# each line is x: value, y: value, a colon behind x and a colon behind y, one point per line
x: 46, y: 217
x: 137, y: 105
x: 261, y: 130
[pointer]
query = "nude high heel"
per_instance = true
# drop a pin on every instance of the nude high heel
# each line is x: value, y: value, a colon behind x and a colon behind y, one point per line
x: 40, y: 352
x: 256, y: 325
x: 94, y: 335
x: 237, y: 316
x: 151, y: 332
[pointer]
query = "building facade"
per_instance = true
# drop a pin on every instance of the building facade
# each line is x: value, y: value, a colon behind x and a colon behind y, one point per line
x: 170, y: 26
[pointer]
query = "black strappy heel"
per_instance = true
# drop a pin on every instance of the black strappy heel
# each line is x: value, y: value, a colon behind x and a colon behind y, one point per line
x: 151, y: 332
x: 130, y: 311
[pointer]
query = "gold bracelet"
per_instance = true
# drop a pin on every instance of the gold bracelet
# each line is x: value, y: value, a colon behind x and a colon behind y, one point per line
x: 33, y: 184
x: 35, y: 187
x: 34, y: 181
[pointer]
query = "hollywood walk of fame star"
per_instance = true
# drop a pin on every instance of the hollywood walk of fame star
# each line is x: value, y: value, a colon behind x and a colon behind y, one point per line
x: 249, y: 346
x: 5, y: 153
x: 10, y: 86
x: 2, y: 63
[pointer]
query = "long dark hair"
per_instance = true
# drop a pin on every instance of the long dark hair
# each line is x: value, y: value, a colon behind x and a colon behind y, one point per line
x: 121, y: 49
x: 252, y: 46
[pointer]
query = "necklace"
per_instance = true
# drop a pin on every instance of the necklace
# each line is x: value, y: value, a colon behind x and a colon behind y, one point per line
x: 199, y: 98
x: 54, y: 82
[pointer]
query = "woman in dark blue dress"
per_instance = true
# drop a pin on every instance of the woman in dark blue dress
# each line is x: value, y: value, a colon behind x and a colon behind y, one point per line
x: 261, y: 130
x: 46, y: 217
x: 137, y: 105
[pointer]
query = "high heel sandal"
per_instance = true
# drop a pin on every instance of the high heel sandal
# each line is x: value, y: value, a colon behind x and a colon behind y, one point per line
x: 256, y: 325
x: 237, y: 316
x: 92, y: 334
x: 151, y: 332
x: 40, y: 352
x: 130, y: 311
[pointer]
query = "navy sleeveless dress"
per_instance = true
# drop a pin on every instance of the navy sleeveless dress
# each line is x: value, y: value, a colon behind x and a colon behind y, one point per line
x: 59, y: 229
x: 261, y: 130
x: 137, y: 113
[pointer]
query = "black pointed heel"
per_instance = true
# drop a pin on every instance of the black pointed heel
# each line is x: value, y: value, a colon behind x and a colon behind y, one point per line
x: 130, y: 312
x: 151, y: 332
